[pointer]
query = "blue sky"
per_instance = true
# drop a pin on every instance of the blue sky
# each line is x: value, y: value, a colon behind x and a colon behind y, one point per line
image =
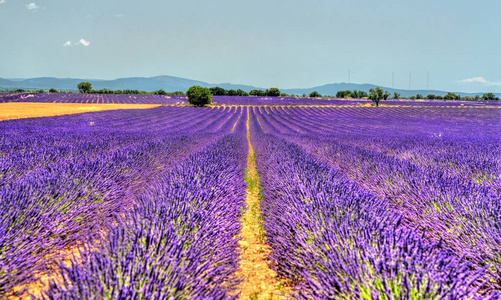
x: 283, y: 43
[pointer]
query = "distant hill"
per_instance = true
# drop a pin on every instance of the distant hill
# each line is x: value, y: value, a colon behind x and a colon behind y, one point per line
x: 171, y: 84
x: 167, y: 83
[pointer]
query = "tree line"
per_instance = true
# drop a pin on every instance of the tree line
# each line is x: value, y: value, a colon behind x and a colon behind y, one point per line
x: 201, y: 96
x: 86, y: 87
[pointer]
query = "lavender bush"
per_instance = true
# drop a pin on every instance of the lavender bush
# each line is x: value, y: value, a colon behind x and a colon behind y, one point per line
x: 337, y: 240
x: 64, y: 177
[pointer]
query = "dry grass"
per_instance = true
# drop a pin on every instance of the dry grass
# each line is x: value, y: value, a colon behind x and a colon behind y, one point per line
x: 21, y: 110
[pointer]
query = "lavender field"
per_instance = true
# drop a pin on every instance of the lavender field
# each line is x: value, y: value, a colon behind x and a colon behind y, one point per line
x: 6, y: 97
x: 357, y: 202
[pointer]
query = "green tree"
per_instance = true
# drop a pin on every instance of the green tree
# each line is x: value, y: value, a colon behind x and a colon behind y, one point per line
x: 160, y: 92
x: 259, y: 93
x: 241, y: 92
x: 273, y: 92
x: 431, y: 96
x: 378, y: 94
x: 231, y: 92
x: 419, y: 96
x: 52, y: 90
x: 315, y: 94
x: 84, y: 87
x: 396, y: 95
x: 343, y: 94
x: 358, y: 94
x: 102, y: 91
x: 489, y: 96
x: 217, y: 91
x: 199, y: 96
x: 452, y: 96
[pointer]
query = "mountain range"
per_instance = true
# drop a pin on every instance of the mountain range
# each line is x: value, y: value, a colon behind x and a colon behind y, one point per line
x: 171, y: 84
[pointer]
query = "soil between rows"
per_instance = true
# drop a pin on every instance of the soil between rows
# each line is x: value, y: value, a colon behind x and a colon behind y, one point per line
x: 260, y: 282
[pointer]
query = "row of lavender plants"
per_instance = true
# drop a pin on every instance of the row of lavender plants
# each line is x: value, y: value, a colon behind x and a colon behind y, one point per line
x: 337, y: 240
x: 62, y: 178
x: 365, y: 121
x: 454, y: 192
x: 140, y: 192
x: 456, y: 197
x: 178, y: 242
x: 459, y: 210
x: 92, y: 98
x: 476, y: 158
x: 252, y: 100
x: 221, y: 100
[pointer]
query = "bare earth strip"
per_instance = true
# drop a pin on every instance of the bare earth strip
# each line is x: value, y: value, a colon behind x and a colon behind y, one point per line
x: 34, y: 289
x: 21, y: 110
x: 260, y: 282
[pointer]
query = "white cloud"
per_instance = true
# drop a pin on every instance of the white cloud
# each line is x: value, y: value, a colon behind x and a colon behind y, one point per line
x: 80, y: 42
x: 474, y: 79
x: 84, y: 42
x: 2, y: 1
x: 117, y: 16
x: 481, y: 80
x: 31, y: 6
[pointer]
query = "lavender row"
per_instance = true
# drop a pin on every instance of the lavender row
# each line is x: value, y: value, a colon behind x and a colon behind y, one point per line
x: 450, y: 201
x: 254, y: 100
x: 226, y: 100
x: 62, y: 177
x: 466, y: 158
x: 459, y: 154
x: 30, y: 144
x: 460, y: 211
x: 402, y: 121
x: 336, y: 240
x: 52, y: 208
x: 178, y: 242
x: 445, y: 195
x: 92, y: 98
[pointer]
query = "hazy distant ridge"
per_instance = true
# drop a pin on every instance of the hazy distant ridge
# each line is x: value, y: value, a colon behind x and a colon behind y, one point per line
x: 171, y: 84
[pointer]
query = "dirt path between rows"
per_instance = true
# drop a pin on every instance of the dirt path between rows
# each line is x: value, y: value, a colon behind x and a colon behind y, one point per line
x: 260, y: 282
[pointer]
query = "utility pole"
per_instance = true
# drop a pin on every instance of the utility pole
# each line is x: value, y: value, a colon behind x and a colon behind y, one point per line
x: 349, y: 76
x: 409, y: 81
x: 393, y: 80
